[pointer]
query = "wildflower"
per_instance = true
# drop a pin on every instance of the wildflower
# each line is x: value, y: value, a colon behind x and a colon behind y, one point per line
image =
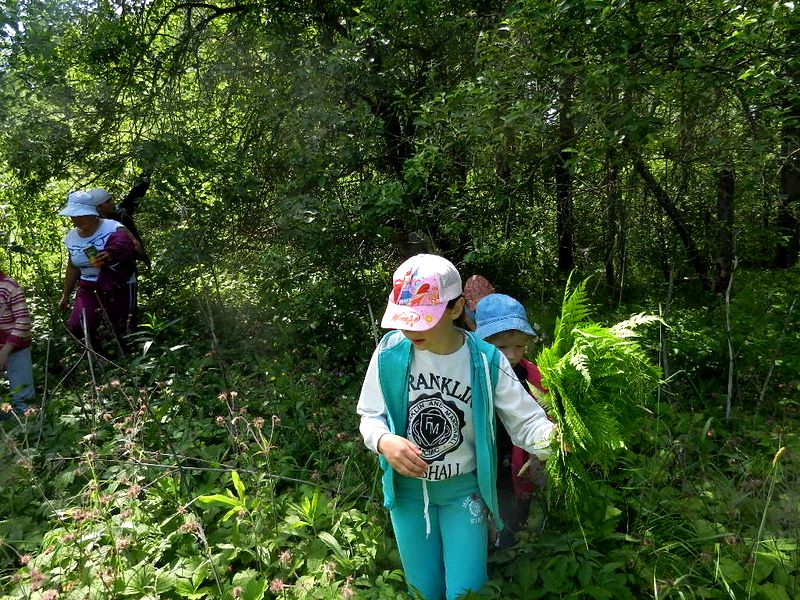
x: 5, y: 407
x: 182, y: 510
x: 107, y: 417
x: 114, y: 383
x: 276, y: 421
x: 79, y: 515
x: 36, y: 579
x: 50, y: 595
x: 341, y: 435
x: 107, y: 576
x: 134, y: 491
x: 258, y: 422
x: 285, y: 557
x: 25, y: 559
x: 222, y: 396
x: 347, y: 591
x: 30, y: 411
x: 329, y: 569
x: 68, y: 537
x: 276, y: 586
x: 188, y: 527
x: 233, y: 393
x: 122, y: 543
x: 237, y: 592
x: 219, y: 420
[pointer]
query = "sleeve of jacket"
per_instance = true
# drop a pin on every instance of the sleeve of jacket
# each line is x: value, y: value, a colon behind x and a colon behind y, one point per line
x: 130, y: 202
x: 372, y: 408
x: 119, y: 245
x: 20, y: 333
x: 525, y: 421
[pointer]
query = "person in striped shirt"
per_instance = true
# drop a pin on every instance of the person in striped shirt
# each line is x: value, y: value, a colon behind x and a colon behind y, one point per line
x: 15, y: 343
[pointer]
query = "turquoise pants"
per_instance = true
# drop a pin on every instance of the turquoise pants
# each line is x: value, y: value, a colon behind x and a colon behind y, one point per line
x: 443, y: 545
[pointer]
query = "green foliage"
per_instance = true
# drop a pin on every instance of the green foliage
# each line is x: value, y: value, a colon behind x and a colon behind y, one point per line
x: 764, y: 339
x: 289, y: 148
x: 599, y: 380
x: 173, y: 479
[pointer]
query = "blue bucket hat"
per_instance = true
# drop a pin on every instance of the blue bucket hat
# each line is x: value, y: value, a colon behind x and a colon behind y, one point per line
x: 496, y: 313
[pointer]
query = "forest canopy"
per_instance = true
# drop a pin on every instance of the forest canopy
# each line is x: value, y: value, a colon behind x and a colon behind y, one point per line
x: 634, y: 139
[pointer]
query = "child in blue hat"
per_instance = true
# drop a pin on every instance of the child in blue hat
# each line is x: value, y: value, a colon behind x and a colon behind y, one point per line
x: 502, y: 321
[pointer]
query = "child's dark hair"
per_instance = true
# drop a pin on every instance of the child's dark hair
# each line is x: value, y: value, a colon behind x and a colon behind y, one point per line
x: 460, y: 321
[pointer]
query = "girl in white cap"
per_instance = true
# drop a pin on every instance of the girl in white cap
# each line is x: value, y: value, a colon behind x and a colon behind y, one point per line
x: 427, y: 407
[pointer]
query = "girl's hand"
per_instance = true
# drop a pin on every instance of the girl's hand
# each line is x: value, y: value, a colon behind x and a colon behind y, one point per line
x: 404, y: 456
x: 563, y: 444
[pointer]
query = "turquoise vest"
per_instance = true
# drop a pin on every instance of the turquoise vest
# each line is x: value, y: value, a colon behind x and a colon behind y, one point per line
x: 394, y: 366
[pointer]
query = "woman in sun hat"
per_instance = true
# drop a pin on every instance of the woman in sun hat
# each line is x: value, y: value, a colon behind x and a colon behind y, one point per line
x: 100, y: 263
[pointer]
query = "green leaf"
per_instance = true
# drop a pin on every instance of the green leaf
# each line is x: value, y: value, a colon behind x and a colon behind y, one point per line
x: 237, y: 483
x: 219, y: 499
x: 333, y: 544
x: 772, y: 591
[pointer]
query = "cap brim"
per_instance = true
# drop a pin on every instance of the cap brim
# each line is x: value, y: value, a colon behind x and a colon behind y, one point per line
x: 79, y: 211
x: 500, y: 325
x: 412, y: 318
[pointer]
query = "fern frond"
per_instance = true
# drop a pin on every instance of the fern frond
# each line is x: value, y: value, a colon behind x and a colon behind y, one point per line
x: 598, y: 378
x: 627, y: 328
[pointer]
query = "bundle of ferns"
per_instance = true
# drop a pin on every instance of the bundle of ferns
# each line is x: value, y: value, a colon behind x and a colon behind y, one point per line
x: 599, y: 381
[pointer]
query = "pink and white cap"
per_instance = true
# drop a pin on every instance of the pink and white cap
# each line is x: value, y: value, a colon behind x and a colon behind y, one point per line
x: 422, y: 287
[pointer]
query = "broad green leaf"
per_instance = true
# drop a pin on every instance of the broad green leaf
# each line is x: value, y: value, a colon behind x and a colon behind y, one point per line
x: 219, y: 499
x: 237, y: 483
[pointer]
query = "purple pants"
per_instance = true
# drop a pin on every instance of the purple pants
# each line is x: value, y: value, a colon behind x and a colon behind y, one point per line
x: 115, y: 307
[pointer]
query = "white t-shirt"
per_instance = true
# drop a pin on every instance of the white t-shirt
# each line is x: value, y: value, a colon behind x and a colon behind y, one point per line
x: 76, y: 247
x: 440, y: 411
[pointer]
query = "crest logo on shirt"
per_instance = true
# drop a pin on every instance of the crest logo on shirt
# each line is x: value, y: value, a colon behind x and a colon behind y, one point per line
x: 435, y: 425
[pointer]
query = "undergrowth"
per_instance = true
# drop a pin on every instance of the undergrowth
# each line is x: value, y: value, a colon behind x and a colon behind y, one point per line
x: 194, y: 470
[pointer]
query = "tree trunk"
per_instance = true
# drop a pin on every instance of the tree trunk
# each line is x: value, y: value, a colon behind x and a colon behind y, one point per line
x: 725, y: 240
x: 675, y: 216
x: 615, y: 229
x: 563, y: 178
x: 787, y: 224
